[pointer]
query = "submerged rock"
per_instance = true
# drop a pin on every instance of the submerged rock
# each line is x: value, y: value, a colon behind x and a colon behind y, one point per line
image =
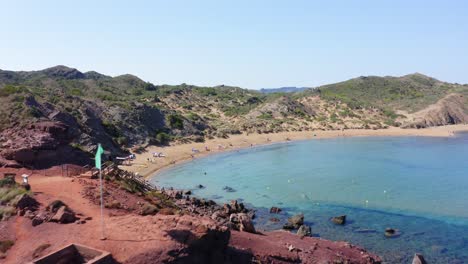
x: 365, y: 230
x: 392, y: 233
x: 304, y: 230
x: 228, y: 189
x: 339, y: 220
x: 275, y: 210
x: 418, y: 259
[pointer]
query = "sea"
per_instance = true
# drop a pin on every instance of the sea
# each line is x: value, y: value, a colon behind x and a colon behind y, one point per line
x: 416, y: 185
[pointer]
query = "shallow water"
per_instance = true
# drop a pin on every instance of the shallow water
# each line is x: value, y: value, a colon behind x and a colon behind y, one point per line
x: 418, y: 185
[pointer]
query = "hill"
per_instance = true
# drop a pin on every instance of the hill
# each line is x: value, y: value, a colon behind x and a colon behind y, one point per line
x: 46, y: 115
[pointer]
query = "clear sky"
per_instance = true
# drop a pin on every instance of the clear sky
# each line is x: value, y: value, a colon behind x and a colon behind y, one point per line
x: 248, y: 43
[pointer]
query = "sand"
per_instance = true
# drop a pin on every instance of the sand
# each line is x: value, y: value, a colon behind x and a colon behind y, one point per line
x: 146, y: 165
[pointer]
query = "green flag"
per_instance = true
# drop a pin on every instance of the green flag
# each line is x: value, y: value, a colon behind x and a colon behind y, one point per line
x: 99, y: 152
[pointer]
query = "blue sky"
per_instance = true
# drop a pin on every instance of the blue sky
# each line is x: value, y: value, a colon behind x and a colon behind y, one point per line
x: 252, y: 44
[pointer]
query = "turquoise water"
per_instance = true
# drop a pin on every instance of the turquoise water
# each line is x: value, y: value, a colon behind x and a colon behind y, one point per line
x: 418, y: 185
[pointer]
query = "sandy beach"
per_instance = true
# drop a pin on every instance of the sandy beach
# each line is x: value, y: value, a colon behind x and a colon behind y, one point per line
x: 146, y: 165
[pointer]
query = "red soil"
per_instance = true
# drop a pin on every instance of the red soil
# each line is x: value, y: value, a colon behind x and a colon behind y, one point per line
x: 132, y: 238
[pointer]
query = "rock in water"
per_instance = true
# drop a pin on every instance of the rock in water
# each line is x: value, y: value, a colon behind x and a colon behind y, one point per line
x: 275, y: 210
x: 418, y: 259
x: 297, y: 220
x: 228, y: 189
x: 304, y: 230
x: 339, y: 220
x: 391, y: 233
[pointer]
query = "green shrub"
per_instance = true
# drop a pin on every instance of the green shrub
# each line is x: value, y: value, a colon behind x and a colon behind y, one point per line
x: 175, y: 121
x: 11, y: 89
x: 8, y: 194
x: 266, y: 116
x: 7, y: 182
x: 76, y: 92
x: 163, y: 138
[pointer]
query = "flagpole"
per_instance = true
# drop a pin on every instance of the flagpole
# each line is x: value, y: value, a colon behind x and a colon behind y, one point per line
x: 103, y: 236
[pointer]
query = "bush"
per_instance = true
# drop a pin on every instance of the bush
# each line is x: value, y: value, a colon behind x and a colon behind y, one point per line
x: 163, y: 138
x: 8, y: 182
x: 176, y: 121
x: 6, y: 212
x: 266, y: 116
x: 11, y: 89
x: 8, y: 194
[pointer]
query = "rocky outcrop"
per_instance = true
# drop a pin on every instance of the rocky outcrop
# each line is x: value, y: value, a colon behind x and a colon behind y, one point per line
x: 450, y: 110
x: 284, y: 247
x: 39, y: 145
x: 187, y: 239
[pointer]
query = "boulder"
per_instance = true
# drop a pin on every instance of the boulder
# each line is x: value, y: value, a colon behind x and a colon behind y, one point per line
x: 237, y: 207
x: 304, y: 230
x: 27, y: 202
x: 63, y: 216
x: 418, y: 259
x: 339, y: 220
x: 275, y: 210
x: 241, y: 222
x: 246, y: 224
x: 38, y: 219
x: 29, y: 214
x: 296, y: 221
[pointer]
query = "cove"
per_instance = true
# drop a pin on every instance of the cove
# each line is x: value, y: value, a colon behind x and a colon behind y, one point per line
x: 418, y: 185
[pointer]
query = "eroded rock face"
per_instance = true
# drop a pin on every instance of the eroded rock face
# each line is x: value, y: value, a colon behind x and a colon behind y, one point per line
x: 38, y: 145
x: 450, y: 110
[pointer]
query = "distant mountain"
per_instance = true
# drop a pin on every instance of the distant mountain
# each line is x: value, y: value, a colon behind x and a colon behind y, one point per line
x: 45, y: 113
x: 291, y: 89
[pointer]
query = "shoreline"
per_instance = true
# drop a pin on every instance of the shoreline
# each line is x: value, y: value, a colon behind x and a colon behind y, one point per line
x: 146, y: 165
